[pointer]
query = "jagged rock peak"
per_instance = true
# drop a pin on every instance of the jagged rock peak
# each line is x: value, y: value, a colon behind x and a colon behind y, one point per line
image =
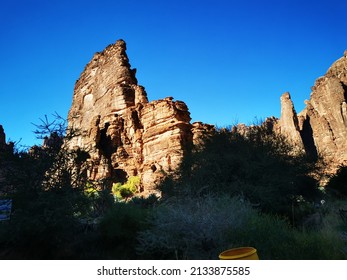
x: 106, y: 86
x: 115, y: 57
x: 123, y: 133
x: 338, y: 69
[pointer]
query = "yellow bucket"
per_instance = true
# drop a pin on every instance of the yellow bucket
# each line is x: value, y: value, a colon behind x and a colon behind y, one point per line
x: 242, y: 253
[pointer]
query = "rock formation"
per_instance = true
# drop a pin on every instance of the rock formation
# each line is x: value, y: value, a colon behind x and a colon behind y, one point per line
x: 322, y: 126
x: 288, y: 123
x: 124, y: 134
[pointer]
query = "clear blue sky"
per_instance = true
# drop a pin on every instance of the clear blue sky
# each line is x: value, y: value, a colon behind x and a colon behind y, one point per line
x: 228, y: 60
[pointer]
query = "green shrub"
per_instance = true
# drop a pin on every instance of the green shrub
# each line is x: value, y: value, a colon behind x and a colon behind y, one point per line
x: 270, y: 235
x: 337, y: 184
x: 90, y: 190
x: 44, y: 226
x: 119, y: 228
x: 260, y: 166
x: 325, y: 244
x: 46, y: 185
x: 126, y: 190
x: 201, y: 228
x: 145, y: 202
x: 193, y: 228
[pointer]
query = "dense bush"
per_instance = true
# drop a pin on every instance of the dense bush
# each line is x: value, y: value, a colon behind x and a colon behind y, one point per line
x: 44, y: 226
x: 275, y: 238
x: 337, y: 184
x: 119, y: 228
x: 46, y: 185
x: 126, y: 190
x: 193, y: 228
x: 201, y: 228
x: 260, y: 166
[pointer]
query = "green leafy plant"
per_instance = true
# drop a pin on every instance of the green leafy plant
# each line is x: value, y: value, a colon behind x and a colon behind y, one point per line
x: 127, y: 190
x: 90, y: 190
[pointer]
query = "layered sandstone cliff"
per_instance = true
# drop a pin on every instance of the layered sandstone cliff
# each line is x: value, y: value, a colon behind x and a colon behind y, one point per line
x: 322, y: 126
x: 123, y: 133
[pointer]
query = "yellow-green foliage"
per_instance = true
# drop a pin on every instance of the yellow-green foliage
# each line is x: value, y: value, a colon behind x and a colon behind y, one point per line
x: 126, y: 190
x: 90, y: 190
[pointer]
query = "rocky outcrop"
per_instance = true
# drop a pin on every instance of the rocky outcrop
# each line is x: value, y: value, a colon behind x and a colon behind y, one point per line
x: 327, y: 112
x: 322, y: 126
x: 201, y: 131
x: 124, y: 134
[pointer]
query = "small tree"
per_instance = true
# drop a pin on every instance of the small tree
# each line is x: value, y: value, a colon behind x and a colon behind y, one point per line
x: 48, y: 199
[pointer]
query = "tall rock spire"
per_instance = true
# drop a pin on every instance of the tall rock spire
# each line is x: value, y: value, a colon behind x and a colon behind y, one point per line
x: 289, y: 121
x: 123, y: 133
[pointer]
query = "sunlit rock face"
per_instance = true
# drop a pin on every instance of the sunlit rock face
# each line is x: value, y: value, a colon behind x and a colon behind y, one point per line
x: 326, y: 112
x: 322, y: 125
x: 288, y: 123
x: 124, y: 134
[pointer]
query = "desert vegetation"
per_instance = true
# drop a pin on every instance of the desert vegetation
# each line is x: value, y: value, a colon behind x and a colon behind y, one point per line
x: 232, y: 190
